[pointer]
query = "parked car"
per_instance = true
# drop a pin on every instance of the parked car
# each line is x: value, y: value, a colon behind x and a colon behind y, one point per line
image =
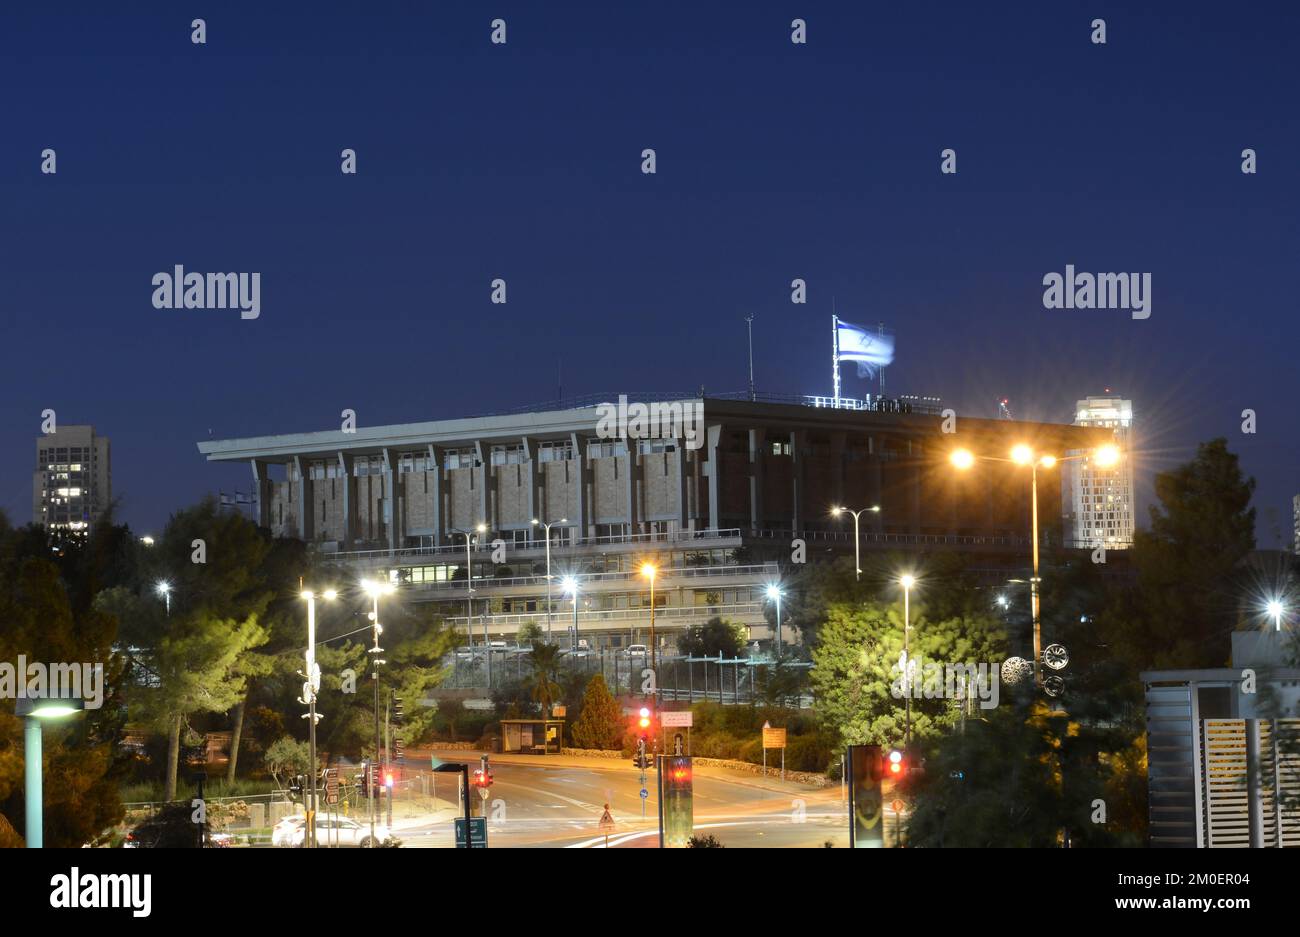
x: 330, y: 831
x: 636, y: 650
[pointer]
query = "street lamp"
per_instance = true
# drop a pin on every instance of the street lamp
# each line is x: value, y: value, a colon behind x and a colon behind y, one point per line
x: 536, y: 522
x: 33, y: 712
x: 311, y: 687
x: 164, y: 588
x: 570, y: 586
x: 375, y: 590
x: 907, y: 581
x: 469, y: 586
x: 1275, y: 608
x: 774, y: 593
x: 857, y: 555
x: 648, y: 570
x: 1023, y: 454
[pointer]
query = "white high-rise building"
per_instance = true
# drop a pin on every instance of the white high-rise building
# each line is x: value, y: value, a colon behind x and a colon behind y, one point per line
x: 73, y: 481
x: 1103, y: 507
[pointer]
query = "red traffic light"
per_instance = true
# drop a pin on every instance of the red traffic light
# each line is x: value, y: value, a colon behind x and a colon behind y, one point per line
x: 645, y: 714
x: 388, y: 779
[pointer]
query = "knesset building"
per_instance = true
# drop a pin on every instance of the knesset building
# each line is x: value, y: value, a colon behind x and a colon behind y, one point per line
x: 716, y: 517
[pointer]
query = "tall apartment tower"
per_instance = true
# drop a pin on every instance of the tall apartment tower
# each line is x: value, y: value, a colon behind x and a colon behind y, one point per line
x: 73, y: 481
x: 1103, y: 509
x: 1295, y: 518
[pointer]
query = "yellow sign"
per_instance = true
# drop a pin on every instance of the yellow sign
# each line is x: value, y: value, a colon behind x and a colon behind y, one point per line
x: 773, y: 738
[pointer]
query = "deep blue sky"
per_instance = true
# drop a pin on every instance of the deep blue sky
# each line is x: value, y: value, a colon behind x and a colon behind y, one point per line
x: 523, y: 162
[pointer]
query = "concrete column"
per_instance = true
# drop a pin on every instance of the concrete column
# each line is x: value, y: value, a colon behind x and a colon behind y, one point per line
x: 530, y: 467
x: 798, y: 509
x: 839, y: 443
x: 306, y: 514
x: 680, y: 484
x: 713, y: 471
x: 349, y: 500
x: 1254, y: 804
x: 579, y: 462
x: 393, y: 514
x: 486, y: 503
x: 439, y: 509
x: 261, y: 491
x: 630, y: 487
x: 757, y: 439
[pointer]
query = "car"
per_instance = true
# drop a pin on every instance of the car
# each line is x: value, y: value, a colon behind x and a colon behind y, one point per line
x: 636, y: 650
x: 330, y: 831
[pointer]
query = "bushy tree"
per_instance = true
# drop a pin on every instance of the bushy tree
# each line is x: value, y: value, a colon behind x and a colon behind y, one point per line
x: 600, y: 725
x: 855, y: 668
x: 716, y: 636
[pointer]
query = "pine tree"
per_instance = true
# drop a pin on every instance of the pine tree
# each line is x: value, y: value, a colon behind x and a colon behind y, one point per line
x: 600, y: 725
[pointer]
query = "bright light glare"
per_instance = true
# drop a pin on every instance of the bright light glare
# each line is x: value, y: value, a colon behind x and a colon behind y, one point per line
x: 648, y: 571
x: 1022, y: 454
x: 1106, y: 456
x: 163, y: 587
x: 331, y: 594
x: 907, y: 581
x: 837, y: 511
x: 773, y: 592
x: 569, y: 584
x: 962, y: 459
x: 1276, y: 608
x: 1047, y: 461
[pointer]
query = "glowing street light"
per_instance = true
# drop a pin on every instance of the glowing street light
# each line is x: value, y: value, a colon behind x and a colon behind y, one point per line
x: 1023, y: 454
x: 774, y: 593
x: 310, y: 688
x: 649, y: 571
x: 570, y: 586
x: 547, y: 527
x: 375, y: 590
x: 34, y: 712
x: 857, y: 555
x: 1275, y: 609
x: 164, y: 588
x: 907, y: 580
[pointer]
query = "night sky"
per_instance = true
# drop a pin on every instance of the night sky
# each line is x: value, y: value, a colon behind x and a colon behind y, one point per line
x: 522, y: 161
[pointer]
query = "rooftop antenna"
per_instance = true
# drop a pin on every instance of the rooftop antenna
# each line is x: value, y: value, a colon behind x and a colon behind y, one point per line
x: 749, y: 325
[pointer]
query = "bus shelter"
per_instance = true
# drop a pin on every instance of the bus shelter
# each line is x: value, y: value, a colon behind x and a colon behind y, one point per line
x: 532, y: 736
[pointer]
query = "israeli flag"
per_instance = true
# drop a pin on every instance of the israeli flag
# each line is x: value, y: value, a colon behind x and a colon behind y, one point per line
x: 870, y: 350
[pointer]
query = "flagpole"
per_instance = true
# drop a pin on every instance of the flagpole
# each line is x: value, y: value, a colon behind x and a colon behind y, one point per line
x: 835, y: 357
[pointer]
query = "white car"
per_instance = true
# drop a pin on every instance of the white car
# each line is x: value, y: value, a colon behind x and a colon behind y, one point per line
x: 330, y: 831
x: 636, y: 650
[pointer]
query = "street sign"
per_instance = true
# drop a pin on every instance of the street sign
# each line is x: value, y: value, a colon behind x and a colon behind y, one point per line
x: 897, y: 806
x: 331, y: 786
x: 679, y: 719
x: 559, y: 711
x: 606, y: 822
x: 478, y: 832
x: 644, y: 793
x: 773, y: 738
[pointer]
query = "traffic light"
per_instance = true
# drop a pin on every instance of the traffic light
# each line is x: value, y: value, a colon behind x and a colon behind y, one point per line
x: 643, y: 718
x: 641, y: 759
x: 896, y: 765
x: 482, y: 778
x: 398, y: 712
x: 399, y: 750
x: 388, y: 779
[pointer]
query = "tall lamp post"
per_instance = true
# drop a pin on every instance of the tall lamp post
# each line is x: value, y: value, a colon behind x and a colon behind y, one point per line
x: 375, y: 590
x: 164, y: 588
x: 774, y: 593
x: 907, y: 581
x: 547, y: 528
x: 857, y: 540
x: 469, y: 582
x: 33, y: 712
x: 311, y: 687
x: 1103, y: 457
x: 648, y: 570
x: 570, y: 586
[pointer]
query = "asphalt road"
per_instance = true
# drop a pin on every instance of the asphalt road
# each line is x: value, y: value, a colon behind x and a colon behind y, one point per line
x: 550, y: 804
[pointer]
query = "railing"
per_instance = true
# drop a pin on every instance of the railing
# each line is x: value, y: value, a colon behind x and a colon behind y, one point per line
x: 887, y: 539
x: 681, y: 536
x: 677, y: 614
x: 665, y: 574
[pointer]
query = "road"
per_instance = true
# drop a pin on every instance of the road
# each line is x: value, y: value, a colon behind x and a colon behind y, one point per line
x: 550, y: 802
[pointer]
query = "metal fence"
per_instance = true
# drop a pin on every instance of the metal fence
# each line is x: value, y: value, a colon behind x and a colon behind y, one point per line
x: 736, y: 681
